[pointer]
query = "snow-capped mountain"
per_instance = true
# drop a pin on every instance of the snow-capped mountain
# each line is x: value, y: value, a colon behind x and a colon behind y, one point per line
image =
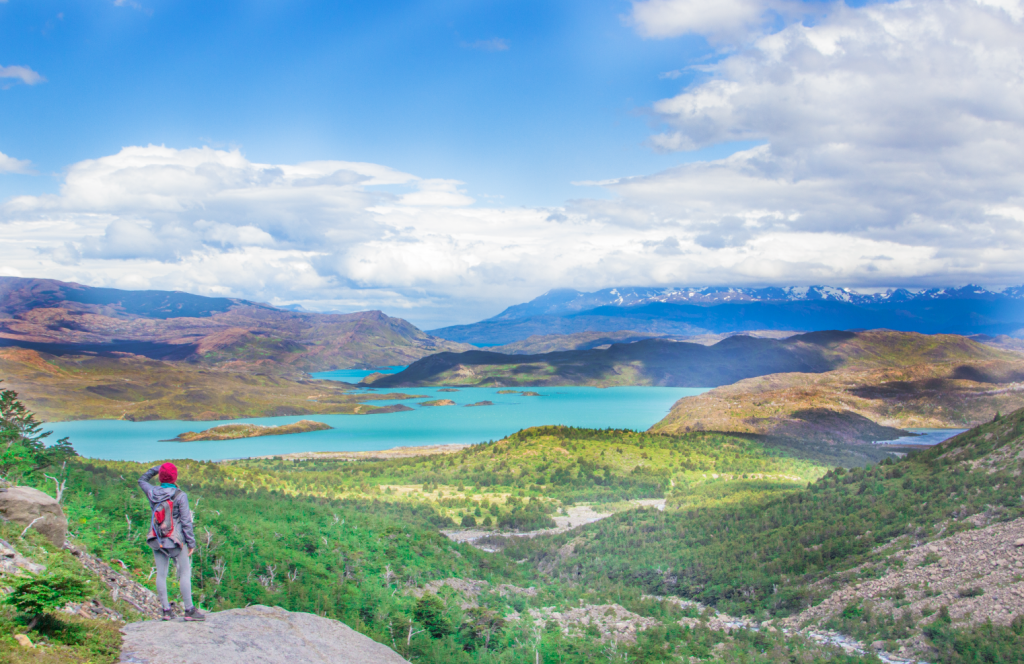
x: 563, y: 301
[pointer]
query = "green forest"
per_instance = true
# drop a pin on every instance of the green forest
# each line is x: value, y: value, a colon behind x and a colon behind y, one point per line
x: 747, y: 529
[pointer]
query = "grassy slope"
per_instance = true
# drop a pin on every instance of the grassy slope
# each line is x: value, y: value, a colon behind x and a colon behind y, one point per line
x: 266, y: 537
x: 775, y: 556
x: 344, y: 559
x: 555, y: 465
x: 91, y: 387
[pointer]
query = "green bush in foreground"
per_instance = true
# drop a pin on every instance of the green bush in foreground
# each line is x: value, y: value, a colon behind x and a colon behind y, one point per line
x: 41, y: 594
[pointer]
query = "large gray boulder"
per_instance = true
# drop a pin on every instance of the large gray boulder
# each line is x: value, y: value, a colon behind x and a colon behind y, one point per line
x: 253, y: 635
x: 23, y: 504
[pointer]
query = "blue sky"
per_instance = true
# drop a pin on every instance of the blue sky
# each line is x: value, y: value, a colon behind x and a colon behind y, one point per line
x: 517, y: 98
x: 443, y: 160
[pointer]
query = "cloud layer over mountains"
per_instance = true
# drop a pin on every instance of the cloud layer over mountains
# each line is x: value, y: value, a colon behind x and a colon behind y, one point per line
x: 891, y: 153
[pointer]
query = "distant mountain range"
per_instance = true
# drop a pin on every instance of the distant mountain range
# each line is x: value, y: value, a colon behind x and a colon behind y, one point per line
x: 61, y: 318
x: 716, y: 310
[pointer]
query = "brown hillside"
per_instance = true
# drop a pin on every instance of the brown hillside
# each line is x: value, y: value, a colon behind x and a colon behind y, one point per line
x: 138, y: 388
x: 70, y: 319
x: 963, y: 387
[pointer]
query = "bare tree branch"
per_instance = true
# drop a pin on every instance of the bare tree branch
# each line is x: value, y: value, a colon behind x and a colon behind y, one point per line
x: 38, y: 518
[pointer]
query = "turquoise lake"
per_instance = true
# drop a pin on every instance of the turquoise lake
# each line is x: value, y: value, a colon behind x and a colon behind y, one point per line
x: 616, y: 407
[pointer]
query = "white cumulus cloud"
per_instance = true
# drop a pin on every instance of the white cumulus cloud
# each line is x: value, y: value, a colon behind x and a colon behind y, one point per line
x: 899, y: 122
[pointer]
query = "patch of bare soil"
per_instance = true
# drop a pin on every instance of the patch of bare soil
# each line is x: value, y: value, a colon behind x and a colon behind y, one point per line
x: 574, y: 517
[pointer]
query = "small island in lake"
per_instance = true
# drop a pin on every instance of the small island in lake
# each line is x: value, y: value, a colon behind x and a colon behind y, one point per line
x: 380, y: 410
x: 531, y: 394
x: 438, y: 402
x: 448, y: 389
x: 480, y: 403
x: 508, y: 391
x: 234, y: 431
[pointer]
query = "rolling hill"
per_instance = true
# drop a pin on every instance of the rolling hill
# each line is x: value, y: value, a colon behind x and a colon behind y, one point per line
x: 88, y: 387
x: 831, y: 407
x: 681, y: 364
x: 922, y: 555
x: 75, y: 352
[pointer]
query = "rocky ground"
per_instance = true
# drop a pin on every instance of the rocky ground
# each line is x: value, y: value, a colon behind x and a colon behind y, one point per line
x: 121, y: 586
x: 723, y: 622
x: 977, y: 574
x: 253, y: 635
x: 12, y: 562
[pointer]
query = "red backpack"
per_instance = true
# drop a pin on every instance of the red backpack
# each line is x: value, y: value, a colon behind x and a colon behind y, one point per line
x: 162, y: 527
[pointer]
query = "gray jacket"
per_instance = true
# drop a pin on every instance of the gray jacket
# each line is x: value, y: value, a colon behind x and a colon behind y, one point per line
x: 158, y: 494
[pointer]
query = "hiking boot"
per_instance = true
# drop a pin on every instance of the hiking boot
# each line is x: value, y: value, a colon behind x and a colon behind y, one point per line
x: 168, y: 614
x: 194, y: 614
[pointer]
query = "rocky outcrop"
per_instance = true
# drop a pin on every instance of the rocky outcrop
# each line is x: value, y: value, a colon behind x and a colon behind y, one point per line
x: 25, y: 505
x: 13, y: 563
x: 253, y: 635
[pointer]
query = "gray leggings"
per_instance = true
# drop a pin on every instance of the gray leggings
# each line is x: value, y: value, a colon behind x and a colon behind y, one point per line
x: 184, y: 565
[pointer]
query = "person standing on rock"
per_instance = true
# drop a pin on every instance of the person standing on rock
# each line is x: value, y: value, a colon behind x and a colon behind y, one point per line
x: 171, y: 536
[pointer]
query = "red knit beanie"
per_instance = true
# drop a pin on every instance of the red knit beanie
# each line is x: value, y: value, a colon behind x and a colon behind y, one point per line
x: 168, y: 473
